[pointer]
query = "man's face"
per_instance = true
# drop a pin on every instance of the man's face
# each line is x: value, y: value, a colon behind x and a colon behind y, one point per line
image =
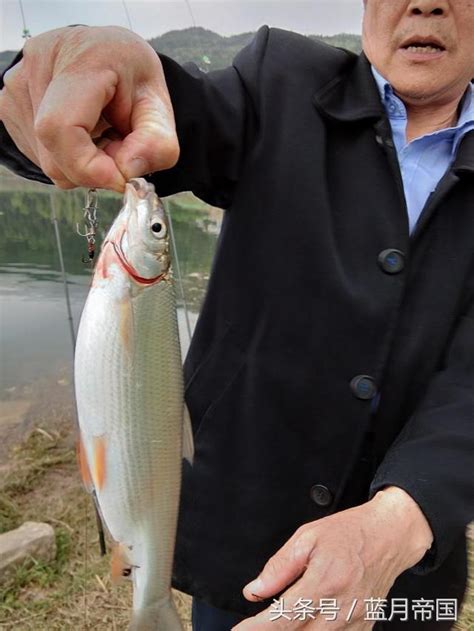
x: 424, y: 48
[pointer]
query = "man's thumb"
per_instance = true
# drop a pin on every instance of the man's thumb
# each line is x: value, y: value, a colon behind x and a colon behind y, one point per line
x: 152, y: 144
x: 281, y: 570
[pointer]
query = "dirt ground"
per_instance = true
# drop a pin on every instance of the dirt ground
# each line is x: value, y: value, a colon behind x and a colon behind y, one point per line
x: 39, y: 482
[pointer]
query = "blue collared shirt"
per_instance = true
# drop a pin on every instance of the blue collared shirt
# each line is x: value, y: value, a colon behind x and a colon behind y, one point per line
x: 425, y: 160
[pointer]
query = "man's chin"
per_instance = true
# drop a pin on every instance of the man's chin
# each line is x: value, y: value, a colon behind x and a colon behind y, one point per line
x: 415, y: 89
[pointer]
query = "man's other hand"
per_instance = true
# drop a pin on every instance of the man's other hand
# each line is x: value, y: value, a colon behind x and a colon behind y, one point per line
x: 90, y: 106
x: 347, y: 557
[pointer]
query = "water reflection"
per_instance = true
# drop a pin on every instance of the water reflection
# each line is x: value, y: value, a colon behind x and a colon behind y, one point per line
x: 34, y: 333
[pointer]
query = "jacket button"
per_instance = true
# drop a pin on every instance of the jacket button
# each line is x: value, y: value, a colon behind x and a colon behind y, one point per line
x: 321, y: 495
x: 363, y: 387
x: 392, y: 261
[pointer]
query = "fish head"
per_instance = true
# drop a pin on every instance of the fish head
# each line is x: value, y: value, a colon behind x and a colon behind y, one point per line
x: 142, y: 231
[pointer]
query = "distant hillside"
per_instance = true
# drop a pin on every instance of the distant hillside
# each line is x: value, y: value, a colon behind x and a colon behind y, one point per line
x: 208, y: 49
x: 212, y: 51
x: 205, y: 48
x: 6, y: 58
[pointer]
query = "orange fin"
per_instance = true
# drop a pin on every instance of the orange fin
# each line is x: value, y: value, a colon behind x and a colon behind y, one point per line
x: 120, y: 564
x: 100, y: 465
x: 83, y: 465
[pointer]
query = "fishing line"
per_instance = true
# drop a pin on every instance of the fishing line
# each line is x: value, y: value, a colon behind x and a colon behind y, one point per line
x: 193, y: 19
x: 125, y: 8
x: 26, y: 33
x: 178, y: 273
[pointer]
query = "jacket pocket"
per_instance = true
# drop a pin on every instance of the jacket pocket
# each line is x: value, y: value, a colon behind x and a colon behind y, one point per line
x: 213, y: 376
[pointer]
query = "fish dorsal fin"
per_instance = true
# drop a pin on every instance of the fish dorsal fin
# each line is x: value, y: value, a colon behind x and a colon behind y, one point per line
x: 188, y: 440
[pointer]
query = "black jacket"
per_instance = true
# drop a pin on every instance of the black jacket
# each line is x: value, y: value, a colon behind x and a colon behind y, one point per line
x: 335, y: 353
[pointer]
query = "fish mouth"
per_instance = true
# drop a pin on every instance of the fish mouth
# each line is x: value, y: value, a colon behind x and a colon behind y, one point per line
x: 139, y: 190
x: 141, y: 187
x: 424, y: 44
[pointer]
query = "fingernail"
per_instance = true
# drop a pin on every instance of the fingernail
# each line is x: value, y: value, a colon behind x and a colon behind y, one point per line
x: 136, y: 167
x: 255, y: 586
x: 258, y: 597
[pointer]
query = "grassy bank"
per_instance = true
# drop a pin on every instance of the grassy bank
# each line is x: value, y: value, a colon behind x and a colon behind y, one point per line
x: 42, y: 484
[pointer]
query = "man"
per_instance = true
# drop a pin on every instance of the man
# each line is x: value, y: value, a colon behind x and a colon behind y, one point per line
x: 331, y: 376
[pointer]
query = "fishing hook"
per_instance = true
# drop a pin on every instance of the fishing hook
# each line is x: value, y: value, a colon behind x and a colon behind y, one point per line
x: 91, y: 223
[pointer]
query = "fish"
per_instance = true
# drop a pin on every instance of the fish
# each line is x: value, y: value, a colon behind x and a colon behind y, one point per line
x: 134, y: 428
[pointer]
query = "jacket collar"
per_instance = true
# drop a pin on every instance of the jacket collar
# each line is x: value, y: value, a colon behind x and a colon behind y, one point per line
x: 464, y: 162
x: 354, y: 96
x: 351, y: 96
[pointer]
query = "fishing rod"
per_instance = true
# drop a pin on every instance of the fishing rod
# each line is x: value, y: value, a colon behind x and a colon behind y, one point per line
x: 92, y: 203
x: 54, y: 220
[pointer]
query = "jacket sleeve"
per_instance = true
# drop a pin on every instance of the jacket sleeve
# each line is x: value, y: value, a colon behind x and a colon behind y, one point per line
x: 432, y: 458
x: 10, y: 156
x: 216, y: 120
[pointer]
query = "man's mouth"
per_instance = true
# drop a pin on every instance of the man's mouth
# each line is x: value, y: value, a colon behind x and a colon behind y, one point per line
x: 423, y: 45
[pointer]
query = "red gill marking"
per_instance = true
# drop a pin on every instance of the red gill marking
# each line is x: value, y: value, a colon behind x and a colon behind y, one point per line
x: 130, y: 269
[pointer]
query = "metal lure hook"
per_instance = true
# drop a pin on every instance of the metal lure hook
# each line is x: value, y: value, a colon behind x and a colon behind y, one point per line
x: 91, y: 223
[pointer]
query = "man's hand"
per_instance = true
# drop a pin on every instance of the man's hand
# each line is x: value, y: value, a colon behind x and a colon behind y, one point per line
x: 355, y: 554
x: 90, y: 106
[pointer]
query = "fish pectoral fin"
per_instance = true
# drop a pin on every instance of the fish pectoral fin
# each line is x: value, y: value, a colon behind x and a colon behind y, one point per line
x: 188, y: 440
x: 99, y: 466
x: 121, y: 566
x: 93, y: 470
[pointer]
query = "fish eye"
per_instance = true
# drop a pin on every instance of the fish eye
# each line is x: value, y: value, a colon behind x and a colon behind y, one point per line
x: 158, y: 228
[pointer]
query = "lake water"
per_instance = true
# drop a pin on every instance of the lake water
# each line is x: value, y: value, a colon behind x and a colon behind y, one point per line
x: 35, y: 339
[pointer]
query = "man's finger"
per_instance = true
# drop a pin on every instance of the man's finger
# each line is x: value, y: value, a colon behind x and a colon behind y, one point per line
x: 283, y: 568
x: 52, y: 170
x: 153, y: 144
x: 284, y: 614
x: 265, y: 621
x: 65, y: 120
x: 15, y: 106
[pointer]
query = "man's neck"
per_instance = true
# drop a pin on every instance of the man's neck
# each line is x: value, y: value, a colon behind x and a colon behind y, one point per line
x: 424, y: 119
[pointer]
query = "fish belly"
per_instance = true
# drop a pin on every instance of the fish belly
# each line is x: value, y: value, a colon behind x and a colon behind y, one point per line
x: 129, y: 392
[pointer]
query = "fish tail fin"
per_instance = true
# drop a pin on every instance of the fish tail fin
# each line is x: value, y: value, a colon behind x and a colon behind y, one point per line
x: 160, y: 616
